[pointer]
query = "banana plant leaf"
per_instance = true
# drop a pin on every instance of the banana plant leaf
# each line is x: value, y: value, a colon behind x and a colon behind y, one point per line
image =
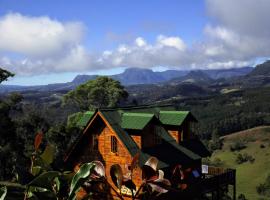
x: 48, y: 195
x: 36, y: 170
x: 160, y: 185
x: 79, y: 178
x: 148, y: 173
x: 68, y: 176
x: 152, y: 162
x: 45, y: 180
x: 117, y: 175
x: 48, y: 154
x: 3, y: 193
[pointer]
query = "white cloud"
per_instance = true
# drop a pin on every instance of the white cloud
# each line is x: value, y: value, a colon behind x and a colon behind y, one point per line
x: 175, y: 42
x: 248, y: 17
x: 140, y: 42
x: 38, y: 36
x: 166, y: 51
x: 75, y: 60
x: 41, y: 45
x: 237, y: 33
x: 242, y: 28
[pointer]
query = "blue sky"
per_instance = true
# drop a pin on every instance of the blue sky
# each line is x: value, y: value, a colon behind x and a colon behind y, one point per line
x: 53, y: 41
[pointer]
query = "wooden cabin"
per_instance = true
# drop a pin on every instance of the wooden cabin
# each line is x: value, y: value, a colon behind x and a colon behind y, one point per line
x: 115, y: 136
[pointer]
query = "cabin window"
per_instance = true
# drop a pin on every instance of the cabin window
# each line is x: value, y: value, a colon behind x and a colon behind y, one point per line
x: 113, y: 144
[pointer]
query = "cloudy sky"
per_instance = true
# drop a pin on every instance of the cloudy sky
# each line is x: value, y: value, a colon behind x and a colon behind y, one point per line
x: 54, y: 40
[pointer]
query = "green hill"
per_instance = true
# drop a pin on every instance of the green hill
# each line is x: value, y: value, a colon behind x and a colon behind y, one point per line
x: 249, y: 175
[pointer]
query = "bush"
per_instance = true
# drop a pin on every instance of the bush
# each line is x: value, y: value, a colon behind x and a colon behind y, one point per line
x: 241, y: 197
x: 217, y: 162
x: 242, y: 158
x: 237, y: 146
x: 264, y: 188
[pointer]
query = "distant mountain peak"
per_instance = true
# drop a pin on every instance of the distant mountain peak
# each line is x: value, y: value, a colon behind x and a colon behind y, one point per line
x: 82, y: 78
x: 135, y: 69
x: 261, y: 69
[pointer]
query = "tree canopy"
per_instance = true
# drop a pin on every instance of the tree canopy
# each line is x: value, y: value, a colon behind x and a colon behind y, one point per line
x: 4, y: 75
x: 98, y: 93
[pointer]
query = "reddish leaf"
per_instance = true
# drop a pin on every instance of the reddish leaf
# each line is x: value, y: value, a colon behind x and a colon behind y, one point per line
x: 160, y: 185
x: 99, y: 170
x: 148, y: 173
x: 38, y: 140
x: 134, y: 162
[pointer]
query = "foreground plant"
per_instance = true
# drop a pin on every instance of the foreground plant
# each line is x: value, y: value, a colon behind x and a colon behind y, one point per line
x: 3, y: 193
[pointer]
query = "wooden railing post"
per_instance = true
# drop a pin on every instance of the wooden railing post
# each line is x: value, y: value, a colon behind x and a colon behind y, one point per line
x: 234, y: 185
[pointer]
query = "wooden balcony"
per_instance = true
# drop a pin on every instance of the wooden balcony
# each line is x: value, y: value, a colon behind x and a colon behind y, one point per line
x: 217, y: 179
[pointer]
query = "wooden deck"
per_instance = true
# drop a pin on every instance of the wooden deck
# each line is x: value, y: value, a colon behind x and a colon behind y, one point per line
x: 217, y: 179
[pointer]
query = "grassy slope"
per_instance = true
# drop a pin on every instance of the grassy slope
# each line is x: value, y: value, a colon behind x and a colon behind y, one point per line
x: 249, y: 175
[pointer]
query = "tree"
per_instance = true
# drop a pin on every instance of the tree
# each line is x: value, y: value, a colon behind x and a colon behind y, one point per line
x: 98, y: 93
x: 4, y: 75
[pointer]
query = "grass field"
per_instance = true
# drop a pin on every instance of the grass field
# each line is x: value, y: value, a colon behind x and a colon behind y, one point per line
x: 249, y: 175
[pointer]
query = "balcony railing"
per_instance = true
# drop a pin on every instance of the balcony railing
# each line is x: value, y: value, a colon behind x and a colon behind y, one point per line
x: 217, y: 178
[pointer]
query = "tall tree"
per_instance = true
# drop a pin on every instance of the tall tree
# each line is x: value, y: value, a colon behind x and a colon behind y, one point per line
x: 101, y: 92
x: 4, y: 75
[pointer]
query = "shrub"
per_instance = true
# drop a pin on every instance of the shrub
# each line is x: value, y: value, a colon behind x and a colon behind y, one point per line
x: 217, y: 162
x: 242, y: 158
x: 241, y: 197
x: 237, y: 146
x: 264, y: 188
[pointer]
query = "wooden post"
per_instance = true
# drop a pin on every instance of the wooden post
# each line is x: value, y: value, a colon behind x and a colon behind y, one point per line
x: 234, y: 185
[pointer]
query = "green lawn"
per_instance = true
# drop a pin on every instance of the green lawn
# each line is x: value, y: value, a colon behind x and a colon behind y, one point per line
x: 249, y: 175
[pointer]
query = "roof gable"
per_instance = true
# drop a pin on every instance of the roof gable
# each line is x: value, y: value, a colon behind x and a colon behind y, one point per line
x: 175, y: 118
x: 135, y: 121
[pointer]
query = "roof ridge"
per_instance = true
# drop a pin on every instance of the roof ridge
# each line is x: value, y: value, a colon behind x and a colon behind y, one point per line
x: 174, y: 111
x: 137, y: 114
x: 136, y: 107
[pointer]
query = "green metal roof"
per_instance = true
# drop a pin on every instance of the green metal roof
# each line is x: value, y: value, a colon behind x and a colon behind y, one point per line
x: 85, y: 118
x: 135, y: 121
x: 175, y: 118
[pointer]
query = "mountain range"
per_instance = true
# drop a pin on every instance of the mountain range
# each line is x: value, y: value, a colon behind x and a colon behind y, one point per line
x: 137, y: 76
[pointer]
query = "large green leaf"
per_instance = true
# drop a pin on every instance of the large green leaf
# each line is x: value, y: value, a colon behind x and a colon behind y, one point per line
x: 37, y: 193
x: 79, y: 178
x: 45, y: 180
x: 48, y: 154
x: 3, y: 193
x: 36, y: 170
x: 68, y: 176
x: 48, y: 195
